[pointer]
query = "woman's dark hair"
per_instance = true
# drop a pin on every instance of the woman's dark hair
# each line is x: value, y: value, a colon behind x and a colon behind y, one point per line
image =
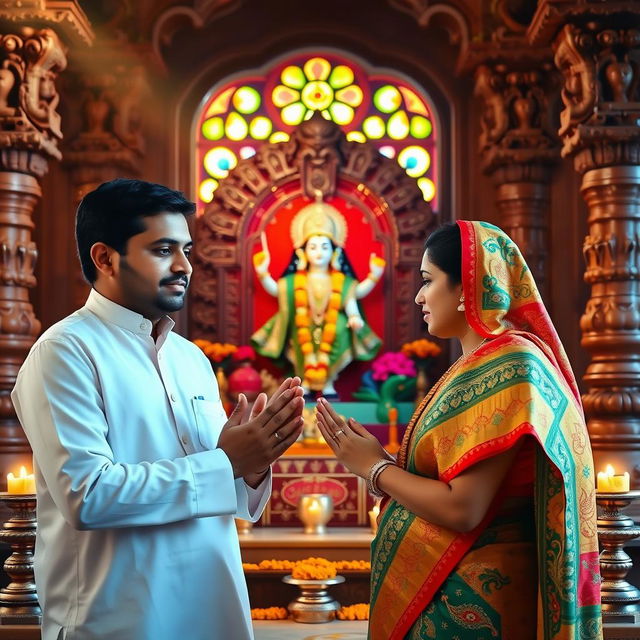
x: 343, y: 263
x: 114, y: 212
x: 444, y: 249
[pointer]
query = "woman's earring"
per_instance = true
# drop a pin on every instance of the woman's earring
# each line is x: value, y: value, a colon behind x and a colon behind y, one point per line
x: 461, y: 306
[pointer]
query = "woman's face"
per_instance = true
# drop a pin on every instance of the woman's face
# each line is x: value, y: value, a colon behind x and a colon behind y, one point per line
x: 319, y: 251
x: 439, y: 301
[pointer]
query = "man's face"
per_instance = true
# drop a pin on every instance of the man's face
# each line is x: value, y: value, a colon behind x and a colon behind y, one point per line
x: 154, y: 274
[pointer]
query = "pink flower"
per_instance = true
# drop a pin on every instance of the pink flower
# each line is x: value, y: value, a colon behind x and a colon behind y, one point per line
x: 392, y: 363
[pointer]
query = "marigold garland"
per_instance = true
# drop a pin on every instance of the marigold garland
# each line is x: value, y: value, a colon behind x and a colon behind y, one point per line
x: 308, y: 566
x: 358, y: 611
x: 316, y: 365
x: 216, y: 351
x: 269, y: 613
x: 421, y: 349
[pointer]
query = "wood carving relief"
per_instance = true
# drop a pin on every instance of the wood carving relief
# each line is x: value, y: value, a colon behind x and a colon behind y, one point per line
x: 111, y: 141
x: 29, y: 63
x: 30, y: 132
x: 599, y: 58
x: 317, y: 158
x: 601, y: 95
x: 517, y: 147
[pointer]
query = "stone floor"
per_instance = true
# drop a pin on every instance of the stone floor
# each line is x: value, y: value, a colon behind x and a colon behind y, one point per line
x: 289, y: 630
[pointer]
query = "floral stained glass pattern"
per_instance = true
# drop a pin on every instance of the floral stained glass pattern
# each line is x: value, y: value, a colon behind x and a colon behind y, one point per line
x: 369, y: 106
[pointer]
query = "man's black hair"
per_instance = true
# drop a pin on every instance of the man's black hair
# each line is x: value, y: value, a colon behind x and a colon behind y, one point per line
x: 444, y: 248
x: 114, y: 212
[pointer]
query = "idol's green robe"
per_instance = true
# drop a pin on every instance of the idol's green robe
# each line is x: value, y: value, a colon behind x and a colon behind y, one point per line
x: 278, y: 336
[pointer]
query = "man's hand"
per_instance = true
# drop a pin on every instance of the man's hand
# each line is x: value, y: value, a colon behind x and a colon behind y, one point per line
x: 253, y: 439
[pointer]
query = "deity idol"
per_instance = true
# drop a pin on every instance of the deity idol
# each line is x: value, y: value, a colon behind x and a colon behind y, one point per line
x: 319, y: 326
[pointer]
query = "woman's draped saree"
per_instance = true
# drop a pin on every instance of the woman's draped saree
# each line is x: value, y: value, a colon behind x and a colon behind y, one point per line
x: 530, y: 569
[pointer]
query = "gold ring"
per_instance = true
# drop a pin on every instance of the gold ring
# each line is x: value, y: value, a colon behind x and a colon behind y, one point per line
x: 338, y: 432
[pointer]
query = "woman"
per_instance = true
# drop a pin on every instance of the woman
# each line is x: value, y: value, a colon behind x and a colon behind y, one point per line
x: 488, y: 525
x: 319, y: 326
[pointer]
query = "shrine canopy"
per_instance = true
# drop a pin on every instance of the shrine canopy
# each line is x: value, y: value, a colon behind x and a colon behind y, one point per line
x: 265, y: 106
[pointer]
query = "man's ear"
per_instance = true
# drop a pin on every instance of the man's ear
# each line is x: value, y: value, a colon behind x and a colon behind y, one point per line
x: 102, y: 256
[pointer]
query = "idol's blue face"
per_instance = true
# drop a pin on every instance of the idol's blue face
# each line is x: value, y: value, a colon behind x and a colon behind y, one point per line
x: 439, y: 301
x: 319, y: 251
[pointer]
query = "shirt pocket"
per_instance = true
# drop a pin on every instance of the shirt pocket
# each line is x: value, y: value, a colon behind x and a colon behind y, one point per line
x: 210, y: 418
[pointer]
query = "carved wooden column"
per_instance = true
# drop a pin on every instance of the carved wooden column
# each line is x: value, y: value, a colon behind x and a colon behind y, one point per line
x: 110, y: 143
x: 30, y: 60
x: 517, y: 149
x: 598, y: 53
x: 517, y: 143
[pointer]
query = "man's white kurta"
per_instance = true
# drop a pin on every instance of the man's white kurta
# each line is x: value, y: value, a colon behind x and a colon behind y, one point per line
x: 136, y: 538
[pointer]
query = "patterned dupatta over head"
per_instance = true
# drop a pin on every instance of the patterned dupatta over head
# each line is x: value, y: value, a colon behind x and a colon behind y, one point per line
x: 519, y: 383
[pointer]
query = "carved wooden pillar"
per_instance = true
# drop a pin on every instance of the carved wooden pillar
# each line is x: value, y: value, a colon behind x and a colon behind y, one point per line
x: 598, y: 54
x: 110, y: 143
x: 517, y: 148
x: 30, y: 60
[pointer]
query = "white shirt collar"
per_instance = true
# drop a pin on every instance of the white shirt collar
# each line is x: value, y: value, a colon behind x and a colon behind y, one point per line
x: 109, y: 311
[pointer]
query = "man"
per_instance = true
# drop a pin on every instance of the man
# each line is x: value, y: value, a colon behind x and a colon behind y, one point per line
x: 138, y: 475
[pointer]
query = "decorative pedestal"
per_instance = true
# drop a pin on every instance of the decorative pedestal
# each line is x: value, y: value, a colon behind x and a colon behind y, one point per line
x: 314, y: 604
x: 620, y: 600
x: 19, y: 600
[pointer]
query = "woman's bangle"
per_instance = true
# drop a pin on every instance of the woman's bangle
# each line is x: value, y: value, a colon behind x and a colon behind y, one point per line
x: 372, y: 477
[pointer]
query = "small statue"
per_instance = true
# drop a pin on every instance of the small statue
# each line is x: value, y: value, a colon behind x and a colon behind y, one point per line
x: 319, y: 327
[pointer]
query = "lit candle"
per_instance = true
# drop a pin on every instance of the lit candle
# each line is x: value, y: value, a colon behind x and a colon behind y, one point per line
x: 608, y: 482
x: 373, y: 517
x: 24, y: 483
x: 314, y: 507
x: 315, y: 510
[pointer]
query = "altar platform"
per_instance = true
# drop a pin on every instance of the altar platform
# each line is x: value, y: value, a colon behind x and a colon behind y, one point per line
x: 263, y: 630
x: 288, y: 630
x: 289, y: 543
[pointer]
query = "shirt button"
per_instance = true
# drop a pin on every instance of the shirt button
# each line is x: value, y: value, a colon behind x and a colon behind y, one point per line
x: 173, y: 397
x: 185, y: 439
x: 143, y: 325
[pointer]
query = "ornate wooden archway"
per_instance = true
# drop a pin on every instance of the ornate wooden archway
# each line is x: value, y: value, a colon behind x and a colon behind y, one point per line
x: 316, y: 158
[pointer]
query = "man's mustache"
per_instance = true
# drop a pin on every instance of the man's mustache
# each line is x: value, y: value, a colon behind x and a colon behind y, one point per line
x: 179, y: 280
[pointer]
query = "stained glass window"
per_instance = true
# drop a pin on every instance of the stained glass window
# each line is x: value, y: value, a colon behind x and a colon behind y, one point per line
x: 369, y: 105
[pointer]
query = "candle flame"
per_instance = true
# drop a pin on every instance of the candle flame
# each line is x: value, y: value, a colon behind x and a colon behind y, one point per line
x: 609, y: 470
x: 23, y: 472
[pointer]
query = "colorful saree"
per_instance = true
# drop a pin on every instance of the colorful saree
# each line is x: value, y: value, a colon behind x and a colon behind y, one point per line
x: 530, y: 569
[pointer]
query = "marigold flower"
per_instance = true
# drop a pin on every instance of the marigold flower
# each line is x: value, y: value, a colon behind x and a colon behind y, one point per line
x: 328, y: 334
x: 331, y: 316
x: 270, y: 613
x: 354, y: 612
